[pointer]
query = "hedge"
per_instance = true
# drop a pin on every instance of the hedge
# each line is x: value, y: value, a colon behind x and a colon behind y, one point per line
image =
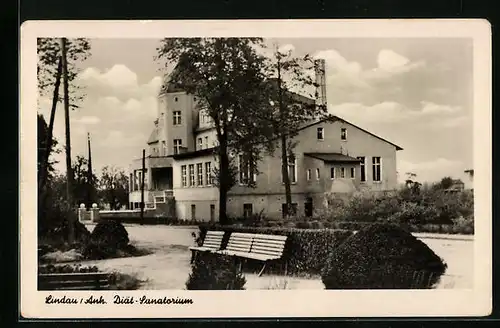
x: 382, y: 257
x: 305, y: 251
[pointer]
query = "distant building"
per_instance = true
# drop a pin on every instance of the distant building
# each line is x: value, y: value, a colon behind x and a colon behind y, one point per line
x: 330, y: 157
x: 470, y: 176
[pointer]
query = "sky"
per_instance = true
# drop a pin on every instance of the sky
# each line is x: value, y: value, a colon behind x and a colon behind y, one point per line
x: 414, y: 92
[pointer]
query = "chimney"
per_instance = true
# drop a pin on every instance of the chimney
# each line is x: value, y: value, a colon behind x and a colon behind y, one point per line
x: 319, y: 69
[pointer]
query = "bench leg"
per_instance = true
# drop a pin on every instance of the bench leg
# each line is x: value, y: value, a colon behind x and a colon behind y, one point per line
x: 193, y: 256
x: 286, y: 267
x: 262, y: 270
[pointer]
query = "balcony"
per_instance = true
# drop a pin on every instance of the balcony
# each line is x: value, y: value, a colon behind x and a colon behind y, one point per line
x: 152, y: 162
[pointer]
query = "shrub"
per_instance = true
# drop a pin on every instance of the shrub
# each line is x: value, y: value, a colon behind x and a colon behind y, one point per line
x: 382, y: 256
x: 107, y: 239
x: 305, y: 251
x: 215, y: 272
x: 66, y: 269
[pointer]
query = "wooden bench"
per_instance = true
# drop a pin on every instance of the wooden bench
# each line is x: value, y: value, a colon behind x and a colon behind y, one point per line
x: 258, y: 247
x: 74, y: 281
x: 211, y: 243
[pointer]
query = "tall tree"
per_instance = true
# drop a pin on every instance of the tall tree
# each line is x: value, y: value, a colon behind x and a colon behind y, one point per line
x: 83, y: 182
x: 226, y: 76
x: 49, y: 74
x: 296, y: 95
x: 49, y: 70
x: 113, y: 187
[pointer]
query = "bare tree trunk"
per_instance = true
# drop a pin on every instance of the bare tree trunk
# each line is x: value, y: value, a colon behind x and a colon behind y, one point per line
x: 69, y: 171
x: 284, y: 155
x: 223, y: 183
x: 48, y: 143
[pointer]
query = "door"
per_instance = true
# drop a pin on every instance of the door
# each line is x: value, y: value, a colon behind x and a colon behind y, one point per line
x: 212, y: 212
x: 193, y: 212
x: 308, y: 207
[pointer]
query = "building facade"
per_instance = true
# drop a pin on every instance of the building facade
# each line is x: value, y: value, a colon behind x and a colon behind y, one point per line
x: 331, y: 156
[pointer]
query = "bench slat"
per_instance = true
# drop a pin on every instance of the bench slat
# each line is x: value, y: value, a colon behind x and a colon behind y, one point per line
x: 73, y: 276
x: 257, y: 248
x: 79, y: 288
x: 266, y: 243
x: 270, y: 237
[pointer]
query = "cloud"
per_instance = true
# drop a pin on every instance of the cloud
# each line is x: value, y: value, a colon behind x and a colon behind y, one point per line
x: 431, y: 171
x: 118, y: 81
x: 117, y: 138
x: 392, y: 112
x: 345, y: 74
x: 338, y: 63
x: 392, y: 62
x: 287, y: 48
x: 87, y: 120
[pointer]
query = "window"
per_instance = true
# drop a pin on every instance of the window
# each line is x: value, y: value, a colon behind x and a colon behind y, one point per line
x: 332, y: 172
x: 208, y: 174
x: 200, y: 143
x: 184, y: 175
x: 191, y: 175
x: 352, y: 172
x: 343, y: 134
x: 176, y: 99
x: 206, y: 142
x: 199, y: 169
x: 317, y: 174
x: 342, y: 172
x: 177, y: 117
x: 246, y: 169
x: 164, y: 147
x: 247, y: 210
x: 363, y: 170
x: 321, y: 134
x: 376, y: 163
x: 177, y: 146
x: 308, y: 174
x: 292, y: 169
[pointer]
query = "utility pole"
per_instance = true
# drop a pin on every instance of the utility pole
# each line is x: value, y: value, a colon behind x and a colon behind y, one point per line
x: 69, y: 171
x: 142, y: 183
x: 90, y: 180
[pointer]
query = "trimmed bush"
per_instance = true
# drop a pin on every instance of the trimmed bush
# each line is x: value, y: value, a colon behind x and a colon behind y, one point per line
x: 305, y: 251
x: 215, y: 272
x: 107, y: 240
x: 382, y: 256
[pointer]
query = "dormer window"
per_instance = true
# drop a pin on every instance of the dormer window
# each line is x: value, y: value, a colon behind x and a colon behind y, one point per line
x: 177, y: 118
x: 321, y: 134
x: 343, y: 134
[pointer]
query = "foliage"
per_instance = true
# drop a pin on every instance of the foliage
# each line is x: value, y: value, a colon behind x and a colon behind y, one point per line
x: 106, y: 240
x: 289, y: 110
x: 305, y: 250
x: 226, y: 75
x: 428, y: 206
x: 215, y: 272
x: 84, y: 186
x: 49, y: 51
x: 113, y: 187
x: 43, y: 148
x: 382, y: 256
x: 66, y: 268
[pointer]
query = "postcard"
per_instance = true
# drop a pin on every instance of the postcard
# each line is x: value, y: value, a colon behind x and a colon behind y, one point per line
x: 255, y: 168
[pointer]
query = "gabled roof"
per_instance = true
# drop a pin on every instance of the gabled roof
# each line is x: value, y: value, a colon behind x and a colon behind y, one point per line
x: 153, y: 137
x: 334, y: 118
x: 333, y: 157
